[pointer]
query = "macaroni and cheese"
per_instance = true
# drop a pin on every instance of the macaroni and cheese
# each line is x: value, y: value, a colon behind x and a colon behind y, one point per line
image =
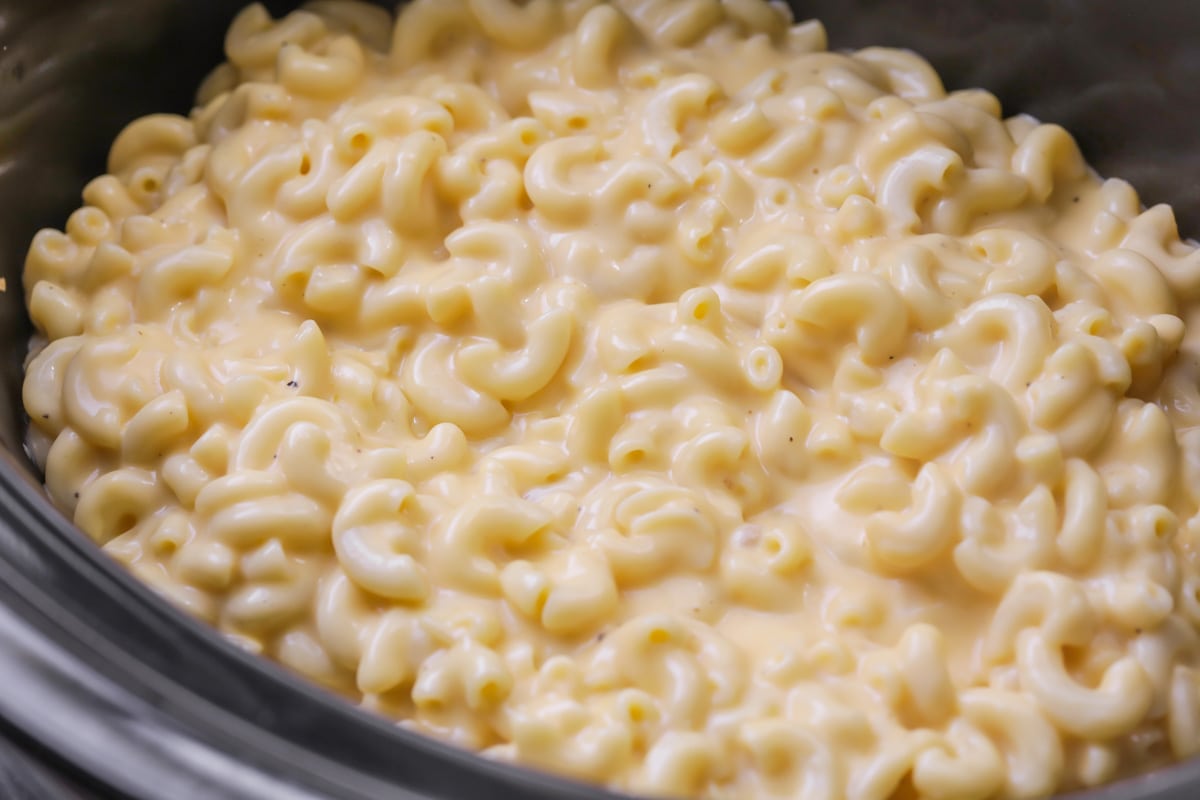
x: 639, y: 391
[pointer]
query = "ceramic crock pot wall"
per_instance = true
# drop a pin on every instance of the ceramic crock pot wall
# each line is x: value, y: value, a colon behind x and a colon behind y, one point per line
x: 109, y: 683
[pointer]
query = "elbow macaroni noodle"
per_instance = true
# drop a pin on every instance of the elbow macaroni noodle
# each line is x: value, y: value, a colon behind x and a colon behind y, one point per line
x: 639, y: 391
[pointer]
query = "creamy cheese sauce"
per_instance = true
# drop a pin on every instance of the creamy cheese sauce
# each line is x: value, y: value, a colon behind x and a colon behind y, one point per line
x: 642, y: 392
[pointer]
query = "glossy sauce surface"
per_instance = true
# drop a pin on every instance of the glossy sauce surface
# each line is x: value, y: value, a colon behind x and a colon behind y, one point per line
x: 642, y: 392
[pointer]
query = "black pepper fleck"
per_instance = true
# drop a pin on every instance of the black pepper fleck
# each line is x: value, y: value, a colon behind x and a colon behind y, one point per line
x: 45, y: 416
x: 292, y: 384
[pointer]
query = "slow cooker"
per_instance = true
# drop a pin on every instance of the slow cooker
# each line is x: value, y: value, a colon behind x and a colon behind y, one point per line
x: 107, y: 691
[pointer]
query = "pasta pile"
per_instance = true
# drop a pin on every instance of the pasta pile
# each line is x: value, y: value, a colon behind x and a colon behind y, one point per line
x: 639, y: 391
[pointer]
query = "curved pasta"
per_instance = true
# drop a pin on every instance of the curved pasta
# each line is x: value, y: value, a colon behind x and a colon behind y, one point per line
x: 1182, y: 731
x: 406, y: 197
x: 909, y: 540
x: 673, y: 101
x: 1032, y: 751
x: 678, y: 23
x: 910, y: 75
x: 968, y: 765
x: 421, y: 24
x: 513, y: 25
x: 994, y: 551
x: 868, y: 306
x: 392, y: 652
x: 276, y: 591
x: 1055, y: 604
x: 254, y: 38
x: 462, y: 551
x: 520, y: 375
x: 576, y: 600
x: 505, y: 246
x: 597, y: 39
x: 1133, y: 283
x: 910, y: 181
x: 1084, y: 507
x: 913, y: 270
x: 1048, y: 154
x: 700, y: 666
x: 156, y: 136
x: 1066, y: 399
x: 114, y: 503
x: 332, y: 74
x: 1112, y: 708
x: 987, y: 457
x: 588, y: 753
x: 366, y: 22
x: 1024, y: 264
x: 548, y: 181
x: 172, y: 278
x: 263, y: 437
x: 777, y: 746
x: 647, y: 528
x: 436, y: 392
x: 638, y: 390
x: 375, y: 546
x: 1019, y: 326
x: 155, y: 427
x: 801, y: 259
